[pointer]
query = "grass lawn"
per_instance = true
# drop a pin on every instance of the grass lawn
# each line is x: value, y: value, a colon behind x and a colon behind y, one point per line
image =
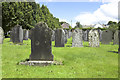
x: 84, y: 62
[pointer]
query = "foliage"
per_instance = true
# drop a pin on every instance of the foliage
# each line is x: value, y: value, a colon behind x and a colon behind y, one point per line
x: 70, y: 27
x: 113, y: 26
x: 26, y: 14
x: 78, y: 25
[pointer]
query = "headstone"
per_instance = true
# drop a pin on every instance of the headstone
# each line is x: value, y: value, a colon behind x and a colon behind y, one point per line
x: 11, y: 35
x: 41, y: 47
x: 85, y: 35
x: 1, y: 35
x: 53, y: 35
x: 17, y: 34
x: 59, y: 38
x: 100, y: 34
x: 69, y: 33
x: 93, y: 38
x: 77, y: 38
x: 116, y: 39
x: 25, y: 34
x: 66, y: 35
x: 29, y: 36
x: 106, y: 37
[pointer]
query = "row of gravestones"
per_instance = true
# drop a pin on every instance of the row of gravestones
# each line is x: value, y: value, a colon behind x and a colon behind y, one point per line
x: 41, y: 48
x: 17, y: 35
x: 105, y: 37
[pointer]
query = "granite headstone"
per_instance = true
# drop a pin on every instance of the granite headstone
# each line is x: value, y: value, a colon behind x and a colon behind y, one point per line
x: 41, y: 47
x: 25, y: 34
x: 17, y: 34
x: 93, y: 38
x: 1, y: 35
x: 116, y: 39
x: 77, y: 38
x: 106, y: 37
x: 59, y: 38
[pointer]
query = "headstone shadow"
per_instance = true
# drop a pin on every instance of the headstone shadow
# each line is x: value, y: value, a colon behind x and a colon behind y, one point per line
x: 113, y: 51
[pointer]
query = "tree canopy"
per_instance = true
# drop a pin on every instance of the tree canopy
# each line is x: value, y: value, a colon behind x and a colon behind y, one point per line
x: 26, y: 14
x: 78, y: 25
x: 113, y: 26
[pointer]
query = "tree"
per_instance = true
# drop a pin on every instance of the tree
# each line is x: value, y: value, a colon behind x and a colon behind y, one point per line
x: 78, y: 25
x: 26, y: 14
x: 113, y: 26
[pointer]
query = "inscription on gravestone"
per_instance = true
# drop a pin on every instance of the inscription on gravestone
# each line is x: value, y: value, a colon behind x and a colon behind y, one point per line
x: 41, y: 48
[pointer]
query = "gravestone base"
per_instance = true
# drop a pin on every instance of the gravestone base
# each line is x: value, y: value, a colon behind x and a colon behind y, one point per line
x: 40, y: 63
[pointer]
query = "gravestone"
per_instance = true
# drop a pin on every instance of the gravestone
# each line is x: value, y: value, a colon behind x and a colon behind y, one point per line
x: 41, y: 47
x: 53, y: 35
x: 17, y: 34
x: 1, y: 35
x: 106, y: 37
x: 93, y: 38
x: 29, y: 35
x: 77, y: 38
x: 59, y: 38
x: 100, y: 34
x: 116, y: 39
x: 69, y: 33
x: 66, y: 35
x: 25, y: 34
x: 85, y: 35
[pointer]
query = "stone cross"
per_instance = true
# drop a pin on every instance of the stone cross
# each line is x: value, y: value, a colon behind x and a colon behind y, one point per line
x: 41, y: 46
x: 77, y: 38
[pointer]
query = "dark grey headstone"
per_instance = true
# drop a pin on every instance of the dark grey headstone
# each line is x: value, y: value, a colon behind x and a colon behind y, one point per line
x: 77, y: 38
x: 85, y: 35
x: 25, y: 34
x: 59, y: 38
x: 1, y: 35
x: 41, y: 47
x: 29, y: 36
x: 66, y: 35
x: 17, y: 34
x: 116, y: 39
x: 106, y: 37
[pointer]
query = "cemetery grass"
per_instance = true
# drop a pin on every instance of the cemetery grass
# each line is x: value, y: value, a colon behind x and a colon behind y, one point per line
x: 84, y: 62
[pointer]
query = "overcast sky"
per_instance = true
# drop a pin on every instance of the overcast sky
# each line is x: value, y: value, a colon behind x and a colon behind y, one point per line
x: 85, y: 11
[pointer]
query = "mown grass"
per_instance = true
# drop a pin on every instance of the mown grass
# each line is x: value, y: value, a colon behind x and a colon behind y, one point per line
x: 84, y: 62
